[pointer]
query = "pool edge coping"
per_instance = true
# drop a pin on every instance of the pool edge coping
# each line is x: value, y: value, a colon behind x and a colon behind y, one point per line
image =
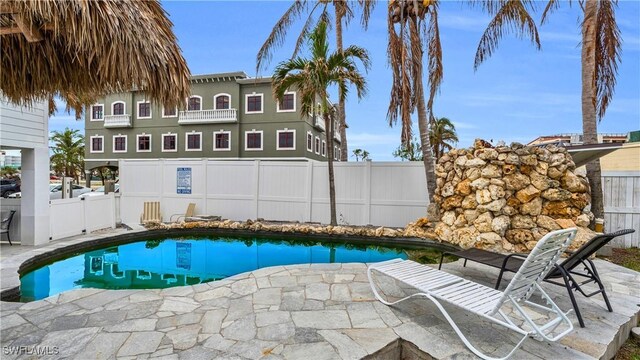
x: 62, y: 248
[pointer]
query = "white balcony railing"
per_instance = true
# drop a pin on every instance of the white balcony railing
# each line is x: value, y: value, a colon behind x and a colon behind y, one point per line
x: 319, y: 122
x: 207, y: 116
x: 115, y: 121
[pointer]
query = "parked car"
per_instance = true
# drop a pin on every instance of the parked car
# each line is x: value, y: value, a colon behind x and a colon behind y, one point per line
x: 8, y: 187
x: 55, y: 191
x: 99, y: 191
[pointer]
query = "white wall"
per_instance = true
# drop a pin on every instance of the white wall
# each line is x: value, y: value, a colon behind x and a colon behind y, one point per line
x: 24, y: 127
x: 378, y: 193
x: 74, y: 216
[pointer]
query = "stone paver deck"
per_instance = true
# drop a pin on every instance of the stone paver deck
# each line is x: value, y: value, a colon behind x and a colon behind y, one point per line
x: 320, y: 311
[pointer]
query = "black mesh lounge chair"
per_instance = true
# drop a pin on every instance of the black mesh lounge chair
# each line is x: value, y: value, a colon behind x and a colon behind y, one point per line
x: 567, y: 270
x: 5, y: 225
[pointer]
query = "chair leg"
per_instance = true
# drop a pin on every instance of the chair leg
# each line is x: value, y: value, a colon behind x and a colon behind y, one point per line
x: 10, y: 244
x: 596, y: 277
x: 499, y: 278
x: 441, y: 260
x: 567, y: 284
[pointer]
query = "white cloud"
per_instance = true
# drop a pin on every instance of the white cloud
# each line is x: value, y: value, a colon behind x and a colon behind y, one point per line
x: 472, y: 23
x: 367, y: 139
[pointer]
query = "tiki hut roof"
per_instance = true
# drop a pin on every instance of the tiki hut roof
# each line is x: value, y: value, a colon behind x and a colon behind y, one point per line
x: 83, y: 49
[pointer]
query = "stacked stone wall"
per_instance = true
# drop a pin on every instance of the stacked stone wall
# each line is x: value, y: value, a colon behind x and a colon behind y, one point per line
x: 508, y: 197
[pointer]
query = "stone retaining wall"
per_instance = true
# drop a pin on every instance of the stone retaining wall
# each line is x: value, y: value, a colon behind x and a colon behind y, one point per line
x: 508, y: 197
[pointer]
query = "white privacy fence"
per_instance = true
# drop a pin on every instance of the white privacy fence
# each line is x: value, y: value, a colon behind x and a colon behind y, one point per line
x: 69, y: 217
x: 379, y: 193
x: 621, y: 192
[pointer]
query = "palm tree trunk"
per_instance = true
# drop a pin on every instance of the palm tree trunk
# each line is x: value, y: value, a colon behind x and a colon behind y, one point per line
x: 332, y: 184
x: 342, y: 122
x: 589, y: 120
x: 423, y: 120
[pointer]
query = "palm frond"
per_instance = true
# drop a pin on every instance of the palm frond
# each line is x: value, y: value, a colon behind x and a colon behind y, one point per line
x: 367, y: 7
x: 434, y: 55
x: 608, y: 51
x: 512, y: 16
x: 278, y: 33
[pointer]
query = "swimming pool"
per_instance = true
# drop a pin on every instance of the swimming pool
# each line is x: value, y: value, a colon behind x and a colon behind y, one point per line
x: 179, y: 261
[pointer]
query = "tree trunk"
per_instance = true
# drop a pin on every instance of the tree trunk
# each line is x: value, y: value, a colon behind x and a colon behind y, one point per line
x: 589, y: 120
x: 423, y: 120
x: 342, y: 122
x: 332, y: 185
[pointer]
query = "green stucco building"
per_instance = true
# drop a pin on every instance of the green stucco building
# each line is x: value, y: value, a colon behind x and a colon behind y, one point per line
x: 229, y: 116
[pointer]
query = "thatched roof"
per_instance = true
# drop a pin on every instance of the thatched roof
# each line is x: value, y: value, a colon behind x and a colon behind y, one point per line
x: 82, y: 49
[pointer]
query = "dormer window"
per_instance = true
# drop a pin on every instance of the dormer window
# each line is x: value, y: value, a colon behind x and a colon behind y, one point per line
x: 195, y: 103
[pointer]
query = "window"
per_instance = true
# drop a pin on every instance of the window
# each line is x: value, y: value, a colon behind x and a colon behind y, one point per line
x: 222, y: 101
x: 317, y: 145
x: 193, y: 141
x: 286, y: 139
x: 288, y: 103
x: 339, y: 153
x: 118, y: 108
x: 253, y: 140
x: 172, y: 112
x: 324, y: 148
x: 144, y: 110
x: 169, y: 142
x: 222, y: 140
x: 97, y: 144
x: 195, y: 103
x: 97, y: 112
x: 120, y: 143
x: 254, y: 103
x: 144, y: 143
x: 309, y: 141
x: 335, y: 153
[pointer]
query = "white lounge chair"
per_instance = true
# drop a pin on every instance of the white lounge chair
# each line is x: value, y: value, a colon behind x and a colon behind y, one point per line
x: 439, y: 286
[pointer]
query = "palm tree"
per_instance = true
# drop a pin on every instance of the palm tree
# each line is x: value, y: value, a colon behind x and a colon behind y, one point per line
x: 601, y: 47
x: 68, y: 152
x: 442, y: 135
x: 405, y: 56
x: 410, y: 151
x: 312, y: 77
x: 361, y: 154
x: 343, y: 15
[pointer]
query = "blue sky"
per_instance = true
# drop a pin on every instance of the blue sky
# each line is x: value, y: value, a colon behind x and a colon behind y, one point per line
x: 517, y: 95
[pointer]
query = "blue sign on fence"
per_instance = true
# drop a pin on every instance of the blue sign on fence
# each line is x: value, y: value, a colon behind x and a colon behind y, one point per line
x: 183, y: 186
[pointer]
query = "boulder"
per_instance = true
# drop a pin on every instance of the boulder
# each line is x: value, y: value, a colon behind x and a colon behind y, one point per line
x: 471, y: 215
x: 560, y: 209
x: 533, y: 207
x: 556, y: 194
x: 529, y: 160
x: 565, y: 223
x: 522, y: 222
x: 472, y: 174
x: 443, y: 232
x: 547, y: 223
x: 491, y: 171
x: 469, y: 202
x: 483, y: 222
x: 500, y: 224
x: 509, y: 169
x: 486, y: 154
x: 460, y: 221
x: 483, y: 196
x: 516, y: 181
x: 527, y: 194
x: 496, y: 191
x: 480, y: 183
x: 509, y: 210
x: 539, y: 181
x: 512, y: 159
x: 452, y: 202
x: 475, y: 162
x: 447, y: 190
x: 495, y: 205
x: 571, y: 182
x: 449, y: 217
x: 554, y: 173
x: 519, y: 236
x: 489, y: 238
x: 463, y: 187
x: 465, y: 237
x: 583, y: 220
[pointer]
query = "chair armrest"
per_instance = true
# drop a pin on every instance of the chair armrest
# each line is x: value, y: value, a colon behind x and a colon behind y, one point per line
x: 508, y: 257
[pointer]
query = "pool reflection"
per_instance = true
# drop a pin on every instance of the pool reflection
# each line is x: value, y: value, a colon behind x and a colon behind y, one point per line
x: 177, y: 262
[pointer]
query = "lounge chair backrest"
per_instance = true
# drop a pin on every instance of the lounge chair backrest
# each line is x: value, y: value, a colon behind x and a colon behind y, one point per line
x: 6, y: 217
x: 191, y: 210
x: 590, y: 247
x: 537, y: 265
x: 151, y: 211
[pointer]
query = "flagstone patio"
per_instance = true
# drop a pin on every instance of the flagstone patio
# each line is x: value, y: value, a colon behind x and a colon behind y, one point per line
x: 320, y: 311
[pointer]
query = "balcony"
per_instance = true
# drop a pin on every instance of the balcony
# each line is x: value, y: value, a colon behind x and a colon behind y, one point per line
x: 207, y: 116
x: 336, y: 136
x: 319, y: 122
x: 117, y: 121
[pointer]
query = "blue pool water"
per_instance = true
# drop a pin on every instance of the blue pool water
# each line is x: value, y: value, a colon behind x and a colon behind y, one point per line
x: 154, y: 264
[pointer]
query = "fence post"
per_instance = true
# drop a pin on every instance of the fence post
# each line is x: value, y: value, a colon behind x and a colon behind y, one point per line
x: 309, y: 202
x: 367, y: 192
x: 256, y: 178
